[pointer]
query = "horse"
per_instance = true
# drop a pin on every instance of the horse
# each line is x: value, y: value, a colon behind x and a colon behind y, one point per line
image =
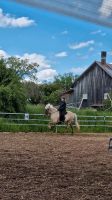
x: 70, y: 117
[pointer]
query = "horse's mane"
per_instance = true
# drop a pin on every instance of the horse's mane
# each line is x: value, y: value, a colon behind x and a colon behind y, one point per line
x: 49, y: 106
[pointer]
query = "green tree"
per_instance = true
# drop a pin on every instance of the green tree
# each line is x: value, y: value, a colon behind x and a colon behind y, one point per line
x: 33, y: 92
x: 12, y: 93
x: 51, y: 92
x: 107, y: 104
x: 23, y: 68
x: 64, y: 81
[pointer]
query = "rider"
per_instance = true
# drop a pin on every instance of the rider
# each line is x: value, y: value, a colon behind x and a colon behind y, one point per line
x: 62, y: 109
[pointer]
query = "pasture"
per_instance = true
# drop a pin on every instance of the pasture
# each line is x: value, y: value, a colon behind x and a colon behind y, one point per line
x: 55, y: 167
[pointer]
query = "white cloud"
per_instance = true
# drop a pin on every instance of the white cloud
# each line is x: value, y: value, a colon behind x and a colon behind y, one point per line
x: 6, y: 20
x: 37, y: 58
x: 46, y: 74
x: 106, y: 8
x: 45, y: 69
x: 3, y: 54
x: 61, y: 54
x: 81, y: 44
x: 96, y: 32
x: 78, y: 70
x: 91, y: 49
x: 64, y: 32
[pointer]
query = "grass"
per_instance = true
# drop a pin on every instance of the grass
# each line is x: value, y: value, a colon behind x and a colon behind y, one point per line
x: 35, y: 109
x: 17, y: 123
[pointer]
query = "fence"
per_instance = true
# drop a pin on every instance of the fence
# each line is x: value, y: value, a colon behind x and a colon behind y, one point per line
x: 90, y: 123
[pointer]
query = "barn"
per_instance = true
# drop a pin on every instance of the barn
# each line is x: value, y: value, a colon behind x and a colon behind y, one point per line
x: 93, y: 86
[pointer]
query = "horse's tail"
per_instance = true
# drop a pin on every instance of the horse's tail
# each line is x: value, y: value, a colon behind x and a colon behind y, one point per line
x: 76, y: 123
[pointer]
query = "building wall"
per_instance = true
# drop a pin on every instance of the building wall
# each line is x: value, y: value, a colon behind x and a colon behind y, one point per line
x: 94, y: 83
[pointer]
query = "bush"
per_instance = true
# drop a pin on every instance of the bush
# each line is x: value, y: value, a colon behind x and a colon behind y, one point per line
x: 108, y: 103
x: 12, y: 93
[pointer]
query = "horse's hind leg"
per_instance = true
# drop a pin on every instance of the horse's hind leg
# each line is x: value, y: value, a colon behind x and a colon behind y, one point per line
x: 77, y: 124
x: 72, y: 128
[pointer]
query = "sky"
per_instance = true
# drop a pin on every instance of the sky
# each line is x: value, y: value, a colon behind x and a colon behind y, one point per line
x: 59, y: 44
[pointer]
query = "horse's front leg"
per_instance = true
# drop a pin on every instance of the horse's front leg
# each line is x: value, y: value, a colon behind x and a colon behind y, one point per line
x: 72, y: 128
x: 50, y: 125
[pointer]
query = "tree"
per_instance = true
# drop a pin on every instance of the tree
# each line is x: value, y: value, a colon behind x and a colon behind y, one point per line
x: 51, y: 92
x: 107, y: 104
x: 33, y: 92
x: 64, y: 81
x: 22, y: 67
x: 12, y: 93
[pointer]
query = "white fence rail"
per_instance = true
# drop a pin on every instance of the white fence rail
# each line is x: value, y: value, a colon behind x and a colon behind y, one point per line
x: 33, y: 119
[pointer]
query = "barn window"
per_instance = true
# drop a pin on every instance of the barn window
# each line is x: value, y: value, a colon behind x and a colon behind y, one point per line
x: 105, y: 96
x: 85, y: 96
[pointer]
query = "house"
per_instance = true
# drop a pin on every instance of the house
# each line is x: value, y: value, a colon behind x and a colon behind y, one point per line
x: 93, y: 86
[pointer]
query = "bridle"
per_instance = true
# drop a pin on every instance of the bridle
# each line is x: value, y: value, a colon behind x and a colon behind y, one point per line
x: 49, y: 113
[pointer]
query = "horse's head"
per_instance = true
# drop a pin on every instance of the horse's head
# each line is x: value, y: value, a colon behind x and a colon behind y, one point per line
x: 49, y: 109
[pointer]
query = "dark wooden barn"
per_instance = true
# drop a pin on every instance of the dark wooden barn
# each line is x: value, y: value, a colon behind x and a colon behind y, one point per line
x: 93, y: 86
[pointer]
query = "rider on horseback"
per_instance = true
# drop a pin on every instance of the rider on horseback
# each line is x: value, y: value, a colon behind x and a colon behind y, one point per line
x: 62, y: 109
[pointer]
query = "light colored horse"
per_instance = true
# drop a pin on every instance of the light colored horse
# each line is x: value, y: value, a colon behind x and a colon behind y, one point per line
x: 70, y: 117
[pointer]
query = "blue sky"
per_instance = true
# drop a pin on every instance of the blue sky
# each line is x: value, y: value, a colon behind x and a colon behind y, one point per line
x: 60, y: 44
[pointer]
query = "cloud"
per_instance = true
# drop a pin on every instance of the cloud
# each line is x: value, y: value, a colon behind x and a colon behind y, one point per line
x: 61, y: 54
x: 6, y: 20
x: 46, y: 74
x: 64, y: 32
x: 37, y: 58
x: 3, y: 54
x: 91, y: 49
x: 106, y: 8
x: 78, y: 70
x: 81, y: 44
x: 45, y: 69
x: 98, y: 32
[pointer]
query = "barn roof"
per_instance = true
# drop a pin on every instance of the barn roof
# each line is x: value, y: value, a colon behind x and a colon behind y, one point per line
x: 106, y: 67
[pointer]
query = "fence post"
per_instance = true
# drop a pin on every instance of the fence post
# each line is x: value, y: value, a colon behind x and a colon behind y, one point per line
x: 104, y: 123
x: 56, y: 129
x: 26, y: 116
x: 95, y: 120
